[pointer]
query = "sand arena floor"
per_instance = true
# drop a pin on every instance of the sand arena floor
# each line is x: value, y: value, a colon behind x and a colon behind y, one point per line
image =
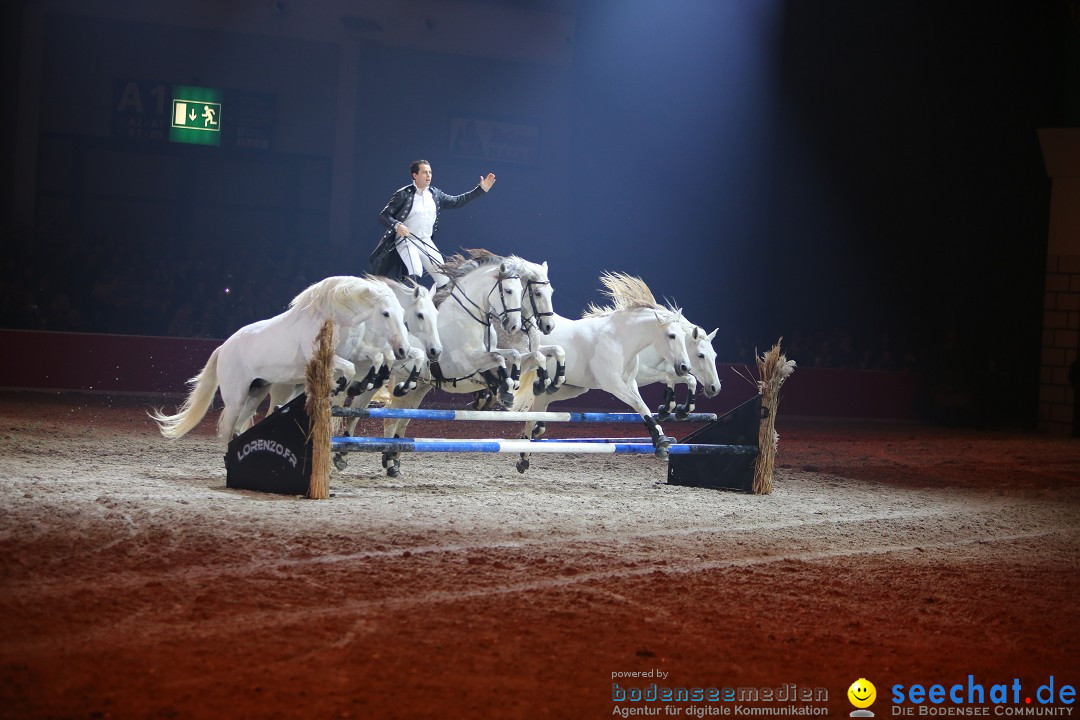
x: 133, y: 584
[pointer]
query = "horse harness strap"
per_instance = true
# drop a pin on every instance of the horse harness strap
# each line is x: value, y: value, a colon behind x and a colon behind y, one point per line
x: 535, y: 311
x: 441, y: 379
x: 486, y: 321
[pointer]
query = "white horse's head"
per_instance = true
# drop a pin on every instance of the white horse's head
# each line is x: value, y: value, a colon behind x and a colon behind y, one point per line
x: 537, y: 291
x: 373, y: 301
x: 508, y: 291
x: 670, y: 340
x: 703, y: 359
x: 422, y: 318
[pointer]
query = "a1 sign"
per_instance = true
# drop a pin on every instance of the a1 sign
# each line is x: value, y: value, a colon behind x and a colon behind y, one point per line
x: 196, y: 115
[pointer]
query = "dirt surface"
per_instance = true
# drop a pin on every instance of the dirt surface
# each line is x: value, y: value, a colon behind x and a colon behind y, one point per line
x: 135, y: 585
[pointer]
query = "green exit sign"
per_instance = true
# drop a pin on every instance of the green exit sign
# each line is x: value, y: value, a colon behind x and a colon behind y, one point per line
x: 196, y: 115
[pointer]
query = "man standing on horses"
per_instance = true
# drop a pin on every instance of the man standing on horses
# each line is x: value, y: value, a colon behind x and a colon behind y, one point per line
x: 412, y: 219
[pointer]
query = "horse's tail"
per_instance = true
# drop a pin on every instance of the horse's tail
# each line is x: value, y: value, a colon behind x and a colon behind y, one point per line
x: 204, y: 385
x: 523, y: 396
x: 382, y: 396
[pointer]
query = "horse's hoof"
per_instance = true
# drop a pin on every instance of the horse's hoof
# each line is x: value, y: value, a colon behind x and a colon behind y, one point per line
x: 662, y: 415
x: 400, y: 390
x: 522, y: 465
x: 538, y: 429
x: 662, y: 444
x: 393, y: 471
x: 507, y: 399
x: 482, y: 400
x: 538, y: 387
x: 340, y: 463
x: 681, y: 413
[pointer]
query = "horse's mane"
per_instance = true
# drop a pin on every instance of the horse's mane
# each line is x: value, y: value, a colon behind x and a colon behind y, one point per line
x: 340, y: 292
x: 627, y: 292
x: 400, y: 287
x: 687, y: 326
x: 513, y: 263
x: 458, y: 266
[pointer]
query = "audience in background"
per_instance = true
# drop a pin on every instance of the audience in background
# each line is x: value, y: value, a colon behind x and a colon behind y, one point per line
x: 95, y: 285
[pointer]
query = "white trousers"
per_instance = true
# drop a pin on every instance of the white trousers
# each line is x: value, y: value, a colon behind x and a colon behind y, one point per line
x: 420, y: 255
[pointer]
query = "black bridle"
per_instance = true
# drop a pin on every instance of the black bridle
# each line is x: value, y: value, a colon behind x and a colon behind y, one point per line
x: 532, y: 300
x: 486, y: 320
x: 480, y: 316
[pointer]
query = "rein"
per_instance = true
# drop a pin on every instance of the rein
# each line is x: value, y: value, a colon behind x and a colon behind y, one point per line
x: 420, y: 246
x: 490, y: 314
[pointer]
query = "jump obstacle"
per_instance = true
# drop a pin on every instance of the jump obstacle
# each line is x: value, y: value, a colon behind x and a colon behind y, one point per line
x: 276, y: 454
x: 591, y: 446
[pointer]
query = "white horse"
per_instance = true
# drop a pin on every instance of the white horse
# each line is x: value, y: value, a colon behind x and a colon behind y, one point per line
x: 537, y: 316
x: 484, y: 291
x: 652, y: 367
x: 279, y: 349
x: 602, y: 351
x: 422, y: 320
x: 374, y: 359
x: 702, y: 356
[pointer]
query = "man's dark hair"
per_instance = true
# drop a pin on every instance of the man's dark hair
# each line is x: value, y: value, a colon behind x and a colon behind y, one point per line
x: 415, y: 167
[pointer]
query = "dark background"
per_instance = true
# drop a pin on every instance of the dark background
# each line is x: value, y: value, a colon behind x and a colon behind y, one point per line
x: 832, y: 171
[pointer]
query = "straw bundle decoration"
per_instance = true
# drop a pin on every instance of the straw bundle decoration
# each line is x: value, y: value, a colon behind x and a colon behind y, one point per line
x: 317, y: 384
x: 773, y: 369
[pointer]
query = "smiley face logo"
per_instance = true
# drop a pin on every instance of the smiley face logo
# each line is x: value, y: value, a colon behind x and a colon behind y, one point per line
x: 862, y: 693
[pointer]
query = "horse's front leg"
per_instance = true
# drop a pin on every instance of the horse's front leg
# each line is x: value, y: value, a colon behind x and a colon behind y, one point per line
x: 505, y: 363
x: 512, y: 361
x: 396, y: 427
x: 357, y: 399
x: 533, y: 429
x: 372, y: 359
x: 383, y: 359
x: 281, y: 393
x: 343, y: 368
x: 536, y: 428
x: 411, y: 366
x: 627, y: 391
x: 365, y: 382
x: 684, y: 410
x: 536, y: 361
x: 557, y: 352
x: 668, y: 405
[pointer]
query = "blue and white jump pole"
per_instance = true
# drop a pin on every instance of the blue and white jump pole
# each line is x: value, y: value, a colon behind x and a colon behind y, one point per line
x: 599, y: 446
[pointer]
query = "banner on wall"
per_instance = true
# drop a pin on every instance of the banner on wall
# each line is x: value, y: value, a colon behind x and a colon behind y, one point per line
x: 474, y: 138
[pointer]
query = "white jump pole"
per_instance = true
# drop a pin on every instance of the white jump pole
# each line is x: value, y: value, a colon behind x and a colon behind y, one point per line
x: 505, y: 416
